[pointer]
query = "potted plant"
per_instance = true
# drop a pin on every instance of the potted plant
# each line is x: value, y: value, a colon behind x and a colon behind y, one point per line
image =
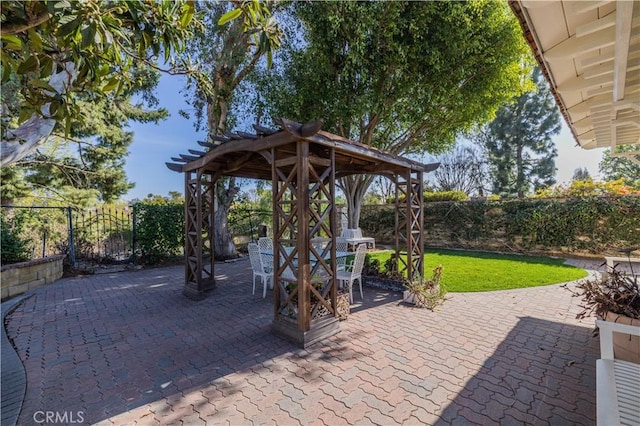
x: 426, y: 294
x: 613, y: 296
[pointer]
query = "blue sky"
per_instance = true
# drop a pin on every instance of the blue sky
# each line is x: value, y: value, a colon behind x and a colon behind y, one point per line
x: 155, y: 144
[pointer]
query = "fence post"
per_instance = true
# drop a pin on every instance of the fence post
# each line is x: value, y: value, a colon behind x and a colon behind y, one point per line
x: 133, y: 233
x: 72, y: 248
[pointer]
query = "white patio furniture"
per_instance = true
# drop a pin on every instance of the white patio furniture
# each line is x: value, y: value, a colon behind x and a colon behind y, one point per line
x: 354, y: 237
x: 341, y: 247
x: 259, y: 269
x: 354, y: 271
x: 614, y: 261
x: 617, y: 382
x: 265, y: 243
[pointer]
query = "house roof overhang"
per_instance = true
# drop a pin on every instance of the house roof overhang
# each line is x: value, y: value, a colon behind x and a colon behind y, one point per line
x: 248, y: 155
x: 589, y: 52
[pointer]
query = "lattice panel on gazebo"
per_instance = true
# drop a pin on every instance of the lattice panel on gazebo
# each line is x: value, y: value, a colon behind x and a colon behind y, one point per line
x: 304, y: 213
x: 322, y: 225
x: 285, y: 206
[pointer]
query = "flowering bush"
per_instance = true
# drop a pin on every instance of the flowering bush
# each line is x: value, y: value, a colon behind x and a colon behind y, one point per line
x: 588, y: 188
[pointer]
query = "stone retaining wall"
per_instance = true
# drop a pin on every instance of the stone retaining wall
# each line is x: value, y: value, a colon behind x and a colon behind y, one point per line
x: 18, y: 278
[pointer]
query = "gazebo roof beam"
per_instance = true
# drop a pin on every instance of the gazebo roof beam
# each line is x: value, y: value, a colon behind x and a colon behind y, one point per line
x: 264, y: 130
x: 175, y: 167
x: 245, y: 135
x: 233, y: 136
x: 206, y: 144
x: 220, y: 138
x: 240, y: 145
x: 189, y: 157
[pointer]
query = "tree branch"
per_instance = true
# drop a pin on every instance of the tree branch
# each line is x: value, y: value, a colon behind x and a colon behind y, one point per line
x: 9, y: 29
x: 32, y: 133
x: 246, y: 70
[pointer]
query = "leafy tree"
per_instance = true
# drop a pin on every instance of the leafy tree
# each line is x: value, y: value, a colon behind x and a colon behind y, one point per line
x: 173, y: 197
x: 518, y: 142
x: 69, y: 52
x: 461, y: 170
x: 406, y: 77
x: 622, y: 166
x: 581, y: 174
x: 88, y: 162
x: 228, y: 53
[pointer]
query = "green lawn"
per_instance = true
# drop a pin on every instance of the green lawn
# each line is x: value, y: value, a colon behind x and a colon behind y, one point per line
x: 478, y: 271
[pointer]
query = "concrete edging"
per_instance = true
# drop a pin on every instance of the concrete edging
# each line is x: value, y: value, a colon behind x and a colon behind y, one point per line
x: 14, y: 376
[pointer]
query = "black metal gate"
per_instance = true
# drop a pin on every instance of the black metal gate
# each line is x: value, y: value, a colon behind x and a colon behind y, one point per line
x: 96, y: 235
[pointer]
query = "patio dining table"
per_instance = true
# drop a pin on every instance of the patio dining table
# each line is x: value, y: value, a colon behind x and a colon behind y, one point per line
x: 268, y: 253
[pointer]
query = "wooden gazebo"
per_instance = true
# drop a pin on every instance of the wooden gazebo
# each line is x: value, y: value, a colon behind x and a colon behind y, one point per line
x: 303, y: 163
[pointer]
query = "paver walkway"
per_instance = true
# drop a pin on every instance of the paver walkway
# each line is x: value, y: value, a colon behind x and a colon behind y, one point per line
x: 128, y: 348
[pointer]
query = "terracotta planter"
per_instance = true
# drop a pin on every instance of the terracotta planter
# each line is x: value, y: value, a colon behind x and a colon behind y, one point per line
x: 625, y: 346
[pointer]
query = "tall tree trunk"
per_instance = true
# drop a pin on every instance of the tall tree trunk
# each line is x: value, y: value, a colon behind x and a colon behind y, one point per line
x: 520, y: 178
x: 355, y: 188
x: 226, y: 190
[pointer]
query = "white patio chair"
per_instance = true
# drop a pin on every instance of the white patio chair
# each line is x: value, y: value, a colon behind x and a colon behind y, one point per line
x: 265, y: 243
x: 266, y: 252
x: 259, y: 269
x: 341, y: 246
x: 354, y: 272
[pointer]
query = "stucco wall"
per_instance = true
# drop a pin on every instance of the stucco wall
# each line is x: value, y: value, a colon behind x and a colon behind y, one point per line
x: 20, y: 277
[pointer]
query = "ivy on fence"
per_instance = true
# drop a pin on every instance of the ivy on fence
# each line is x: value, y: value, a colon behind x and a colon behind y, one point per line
x: 589, y: 224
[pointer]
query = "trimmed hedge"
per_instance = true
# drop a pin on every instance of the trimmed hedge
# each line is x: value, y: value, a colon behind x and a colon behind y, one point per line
x: 592, y: 225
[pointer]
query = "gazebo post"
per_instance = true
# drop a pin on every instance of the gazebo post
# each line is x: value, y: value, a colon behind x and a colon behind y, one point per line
x: 199, y: 223
x: 302, y: 240
x: 409, y: 222
x: 297, y: 317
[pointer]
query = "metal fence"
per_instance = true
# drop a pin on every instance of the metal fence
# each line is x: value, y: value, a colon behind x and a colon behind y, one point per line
x: 102, y: 235
x: 107, y: 235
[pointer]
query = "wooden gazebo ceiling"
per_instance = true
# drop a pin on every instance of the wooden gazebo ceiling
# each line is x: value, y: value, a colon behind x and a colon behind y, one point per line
x: 247, y: 155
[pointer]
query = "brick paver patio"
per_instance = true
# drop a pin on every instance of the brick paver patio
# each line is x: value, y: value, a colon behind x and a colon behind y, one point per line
x: 128, y: 348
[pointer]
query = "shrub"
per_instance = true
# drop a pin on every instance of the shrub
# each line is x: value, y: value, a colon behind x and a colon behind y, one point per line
x: 13, y: 248
x: 445, y: 196
x: 436, y: 196
x: 159, y: 231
